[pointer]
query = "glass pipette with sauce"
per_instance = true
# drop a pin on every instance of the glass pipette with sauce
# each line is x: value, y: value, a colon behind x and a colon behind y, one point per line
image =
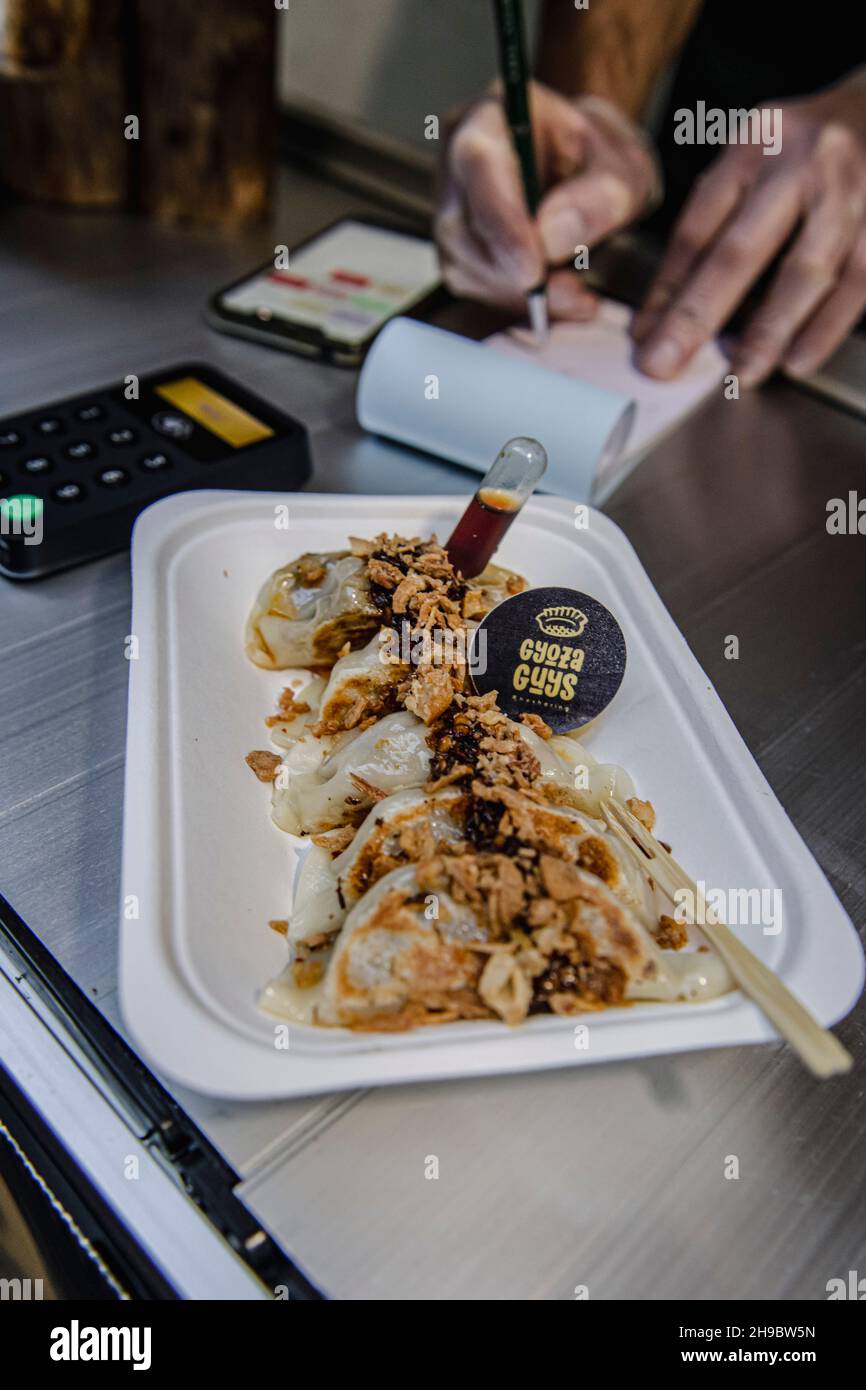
x: 506, y: 485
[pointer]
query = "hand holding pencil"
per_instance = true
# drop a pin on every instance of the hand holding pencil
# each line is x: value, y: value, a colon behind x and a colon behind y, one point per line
x: 595, y: 174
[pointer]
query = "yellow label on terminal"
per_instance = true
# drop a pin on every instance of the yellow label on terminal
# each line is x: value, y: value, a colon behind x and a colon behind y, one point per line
x: 222, y: 417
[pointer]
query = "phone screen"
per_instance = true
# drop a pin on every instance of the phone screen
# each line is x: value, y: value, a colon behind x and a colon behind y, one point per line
x: 346, y: 283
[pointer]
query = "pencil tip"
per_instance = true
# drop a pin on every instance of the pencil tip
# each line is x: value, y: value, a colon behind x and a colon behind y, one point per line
x: 538, y: 317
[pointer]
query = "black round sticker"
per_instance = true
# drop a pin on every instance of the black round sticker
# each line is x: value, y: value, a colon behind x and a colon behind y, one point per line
x: 553, y: 652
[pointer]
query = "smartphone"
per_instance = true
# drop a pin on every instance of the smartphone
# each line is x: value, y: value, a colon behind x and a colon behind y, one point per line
x: 337, y: 290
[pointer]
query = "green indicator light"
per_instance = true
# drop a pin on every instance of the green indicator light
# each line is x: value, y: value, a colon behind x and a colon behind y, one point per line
x: 20, y: 510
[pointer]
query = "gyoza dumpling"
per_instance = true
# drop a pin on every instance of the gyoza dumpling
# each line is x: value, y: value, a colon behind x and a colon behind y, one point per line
x: 394, y: 966
x: 409, y: 955
x: 294, y: 719
x: 591, y: 782
x: 306, y: 611
x: 316, y: 790
x: 558, y: 758
x: 360, y: 684
x: 413, y: 825
x: 578, y: 839
x: 593, y: 953
x: 408, y: 826
x: 497, y: 584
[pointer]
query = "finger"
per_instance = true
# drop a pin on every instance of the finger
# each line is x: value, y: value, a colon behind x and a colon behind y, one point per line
x: 585, y: 209
x: 568, y: 299
x: 465, y: 286
x: 469, y: 275
x: 716, y: 196
x: 834, y: 320
x: 467, y: 268
x: 458, y: 248
x: 805, y: 278
x: 454, y: 237
x: 560, y: 136
x: 487, y: 176
x: 721, y: 278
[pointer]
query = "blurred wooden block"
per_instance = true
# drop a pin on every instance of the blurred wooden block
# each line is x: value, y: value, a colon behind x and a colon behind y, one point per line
x: 199, y: 78
x: 62, y: 102
x: 41, y: 35
x: 206, y: 76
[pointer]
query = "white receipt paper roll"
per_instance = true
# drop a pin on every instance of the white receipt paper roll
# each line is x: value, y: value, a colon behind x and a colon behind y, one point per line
x: 461, y: 400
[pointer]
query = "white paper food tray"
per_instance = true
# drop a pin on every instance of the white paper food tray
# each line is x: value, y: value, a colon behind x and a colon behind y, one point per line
x: 204, y: 869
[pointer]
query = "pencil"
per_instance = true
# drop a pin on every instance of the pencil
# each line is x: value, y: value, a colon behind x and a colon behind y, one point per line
x: 515, y: 83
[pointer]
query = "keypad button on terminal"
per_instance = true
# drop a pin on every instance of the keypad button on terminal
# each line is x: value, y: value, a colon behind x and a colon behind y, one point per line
x: 112, y: 477
x: 80, y: 449
x: 68, y: 492
x: 155, y: 463
x: 37, y: 466
x: 122, y: 436
x: 173, y: 426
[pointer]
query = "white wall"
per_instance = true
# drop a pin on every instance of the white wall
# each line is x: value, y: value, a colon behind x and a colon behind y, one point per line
x: 386, y: 64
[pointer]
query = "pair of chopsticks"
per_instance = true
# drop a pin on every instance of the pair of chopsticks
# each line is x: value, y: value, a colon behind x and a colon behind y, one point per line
x: 817, y: 1048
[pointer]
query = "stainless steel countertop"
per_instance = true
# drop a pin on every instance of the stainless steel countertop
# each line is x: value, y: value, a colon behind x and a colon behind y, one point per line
x: 610, y: 1177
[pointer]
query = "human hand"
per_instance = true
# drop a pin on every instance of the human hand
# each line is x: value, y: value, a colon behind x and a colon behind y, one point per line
x: 596, y: 168
x: 742, y: 213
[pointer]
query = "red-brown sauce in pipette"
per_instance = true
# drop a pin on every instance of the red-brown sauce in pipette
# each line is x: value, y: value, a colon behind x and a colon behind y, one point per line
x: 481, y: 528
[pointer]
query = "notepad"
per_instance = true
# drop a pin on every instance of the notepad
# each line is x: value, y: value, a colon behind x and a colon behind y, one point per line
x: 601, y: 354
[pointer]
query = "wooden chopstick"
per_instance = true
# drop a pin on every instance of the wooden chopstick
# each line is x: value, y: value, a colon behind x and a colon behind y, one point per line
x: 816, y: 1047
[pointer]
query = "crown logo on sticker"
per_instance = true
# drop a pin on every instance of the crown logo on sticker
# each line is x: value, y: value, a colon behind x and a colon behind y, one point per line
x: 561, y: 621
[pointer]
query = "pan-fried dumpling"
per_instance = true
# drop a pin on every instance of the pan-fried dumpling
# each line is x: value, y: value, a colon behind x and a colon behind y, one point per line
x: 361, y: 684
x: 394, y: 966
x: 406, y: 956
x: 495, y: 584
x: 408, y: 826
x: 317, y: 911
x: 306, y: 611
x: 601, y: 955
x: 577, y: 839
x: 413, y: 825
x: 590, y: 781
x: 558, y: 758
x: 316, y: 790
x: 295, y: 720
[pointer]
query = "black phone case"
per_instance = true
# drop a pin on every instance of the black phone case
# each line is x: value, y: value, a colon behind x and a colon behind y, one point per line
x: 299, y: 338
